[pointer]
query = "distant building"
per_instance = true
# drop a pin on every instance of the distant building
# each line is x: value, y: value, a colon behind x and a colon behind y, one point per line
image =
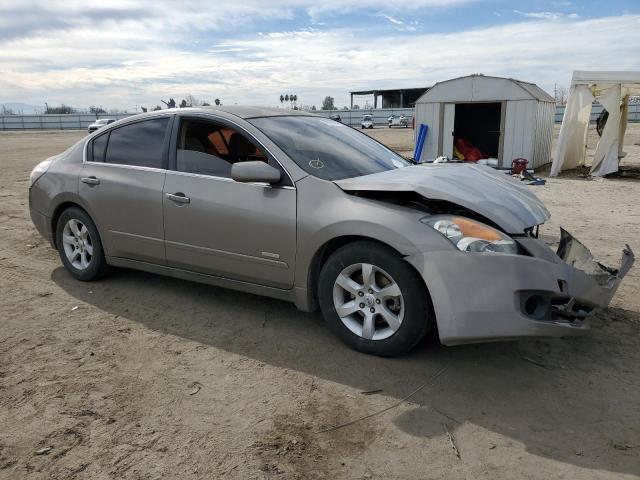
x: 393, y: 98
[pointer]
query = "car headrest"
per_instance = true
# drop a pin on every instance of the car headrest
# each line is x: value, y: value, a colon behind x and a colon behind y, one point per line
x: 239, y: 146
x: 193, y: 143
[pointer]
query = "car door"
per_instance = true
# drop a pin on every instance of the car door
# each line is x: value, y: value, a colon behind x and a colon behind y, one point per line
x: 121, y: 183
x: 216, y: 226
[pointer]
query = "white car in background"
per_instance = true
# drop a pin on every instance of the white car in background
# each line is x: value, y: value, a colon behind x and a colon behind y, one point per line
x: 367, y: 121
x: 99, y: 124
x: 398, y: 121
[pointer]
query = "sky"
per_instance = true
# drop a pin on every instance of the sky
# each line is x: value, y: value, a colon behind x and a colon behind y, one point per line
x: 123, y: 54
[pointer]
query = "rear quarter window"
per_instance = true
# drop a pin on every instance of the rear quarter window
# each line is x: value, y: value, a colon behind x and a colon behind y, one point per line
x: 140, y: 144
x: 99, y: 147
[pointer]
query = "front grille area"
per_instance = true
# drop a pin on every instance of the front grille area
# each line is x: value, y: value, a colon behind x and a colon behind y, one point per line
x: 568, y: 309
x: 545, y: 306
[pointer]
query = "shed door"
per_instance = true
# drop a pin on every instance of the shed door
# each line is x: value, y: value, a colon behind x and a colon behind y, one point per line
x: 448, y: 124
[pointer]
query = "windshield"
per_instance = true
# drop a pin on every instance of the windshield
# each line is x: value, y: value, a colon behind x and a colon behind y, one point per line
x: 328, y: 149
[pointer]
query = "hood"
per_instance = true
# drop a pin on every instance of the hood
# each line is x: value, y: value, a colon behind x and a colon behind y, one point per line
x: 493, y: 194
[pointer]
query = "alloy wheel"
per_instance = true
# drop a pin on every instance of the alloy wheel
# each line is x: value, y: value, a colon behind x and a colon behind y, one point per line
x: 77, y: 243
x: 368, y: 301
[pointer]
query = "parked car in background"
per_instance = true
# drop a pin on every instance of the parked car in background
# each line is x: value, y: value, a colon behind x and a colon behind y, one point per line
x: 398, y: 121
x: 367, y: 121
x: 335, y: 117
x: 301, y: 208
x: 100, y: 123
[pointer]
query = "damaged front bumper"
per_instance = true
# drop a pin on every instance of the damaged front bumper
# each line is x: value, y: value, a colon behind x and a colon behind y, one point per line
x: 486, y: 296
x: 606, y: 279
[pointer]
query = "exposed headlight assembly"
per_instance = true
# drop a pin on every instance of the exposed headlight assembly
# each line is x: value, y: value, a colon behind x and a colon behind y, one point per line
x: 471, y: 236
x: 38, y: 171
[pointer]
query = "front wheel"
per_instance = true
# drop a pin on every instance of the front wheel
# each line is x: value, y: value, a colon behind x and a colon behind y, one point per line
x: 373, y: 299
x: 79, y: 245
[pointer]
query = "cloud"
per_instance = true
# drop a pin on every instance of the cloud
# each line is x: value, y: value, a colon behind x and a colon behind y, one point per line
x: 548, y: 15
x: 398, y: 24
x: 316, y: 9
x: 303, y: 32
x: 123, y: 58
x: 166, y: 16
x: 29, y: 16
x: 395, y: 21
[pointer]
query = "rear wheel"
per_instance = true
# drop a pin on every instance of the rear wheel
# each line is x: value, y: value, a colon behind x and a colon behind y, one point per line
x: 79, y: 245
x: 373, y: 300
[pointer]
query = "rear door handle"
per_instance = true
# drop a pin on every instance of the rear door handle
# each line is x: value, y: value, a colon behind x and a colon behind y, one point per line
x: 90, y: 180
x: 178, y: 197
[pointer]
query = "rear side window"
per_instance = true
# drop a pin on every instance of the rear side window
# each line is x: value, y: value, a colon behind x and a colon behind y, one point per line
x: 139, y: 144
x: 99, y: 147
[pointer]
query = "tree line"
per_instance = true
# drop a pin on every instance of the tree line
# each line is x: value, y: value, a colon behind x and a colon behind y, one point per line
x: 328, y: 103
x: 291, y: 100
x: 62, y: 109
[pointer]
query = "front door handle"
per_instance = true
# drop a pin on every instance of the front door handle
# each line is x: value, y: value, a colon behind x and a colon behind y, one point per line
x: 178, y: 197
x: 90, y: 180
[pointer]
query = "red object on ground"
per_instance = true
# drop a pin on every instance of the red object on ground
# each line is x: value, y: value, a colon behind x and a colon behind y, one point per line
x: 473, y: 155
x: 519, y: 165
x: 470, y: 153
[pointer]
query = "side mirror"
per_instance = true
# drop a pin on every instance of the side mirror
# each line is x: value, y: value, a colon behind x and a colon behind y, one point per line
x: 254, y: 172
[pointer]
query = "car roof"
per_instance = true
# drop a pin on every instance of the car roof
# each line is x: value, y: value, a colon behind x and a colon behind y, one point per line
x: 228, y: 112
x: 253, y: 112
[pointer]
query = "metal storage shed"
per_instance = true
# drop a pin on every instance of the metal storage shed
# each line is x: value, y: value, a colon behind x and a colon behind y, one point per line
x: 503, y: 117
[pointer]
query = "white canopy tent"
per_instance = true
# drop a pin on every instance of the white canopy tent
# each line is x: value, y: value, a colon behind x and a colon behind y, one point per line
x: 612, y: 90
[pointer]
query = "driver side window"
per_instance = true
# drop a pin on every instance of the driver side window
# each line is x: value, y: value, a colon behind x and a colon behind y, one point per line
x: 208, y: 148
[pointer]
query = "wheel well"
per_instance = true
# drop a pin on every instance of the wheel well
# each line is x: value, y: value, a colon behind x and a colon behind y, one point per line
x: 324, y: 252
x: 56, y: 215
x: 334, y: 244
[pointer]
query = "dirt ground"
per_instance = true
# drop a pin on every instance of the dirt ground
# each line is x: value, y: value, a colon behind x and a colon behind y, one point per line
x: 140, y: 376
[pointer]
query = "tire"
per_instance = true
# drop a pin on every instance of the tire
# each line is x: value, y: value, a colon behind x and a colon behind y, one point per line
x: 87, y: 243
x: 412, y: 307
